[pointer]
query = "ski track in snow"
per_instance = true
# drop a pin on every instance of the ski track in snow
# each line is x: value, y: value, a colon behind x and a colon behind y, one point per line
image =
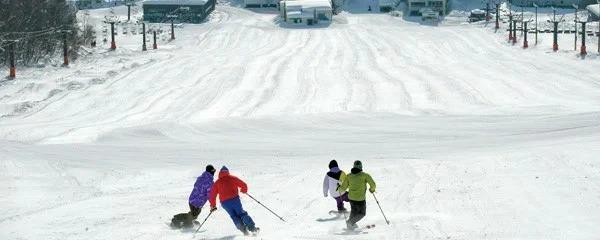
x: 240, y: 64
x: 467, y: 137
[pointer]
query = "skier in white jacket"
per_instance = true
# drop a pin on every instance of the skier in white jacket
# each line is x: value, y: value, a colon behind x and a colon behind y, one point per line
x: 333, y: 179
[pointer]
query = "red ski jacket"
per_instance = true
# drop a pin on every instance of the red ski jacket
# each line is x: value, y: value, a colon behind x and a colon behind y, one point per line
x: 226, y: 187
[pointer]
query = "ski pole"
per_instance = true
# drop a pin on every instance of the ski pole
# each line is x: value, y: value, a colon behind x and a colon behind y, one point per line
x: 265, y: 207
x: 386, y: 220
x: 209, y: 213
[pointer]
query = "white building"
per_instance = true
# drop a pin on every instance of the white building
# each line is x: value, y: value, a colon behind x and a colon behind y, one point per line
x: 306, y: 11
x: 415, y: 7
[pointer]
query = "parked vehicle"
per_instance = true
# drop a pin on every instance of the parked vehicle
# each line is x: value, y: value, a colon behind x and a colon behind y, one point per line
x: 477, y: 15
x: 429, y: 14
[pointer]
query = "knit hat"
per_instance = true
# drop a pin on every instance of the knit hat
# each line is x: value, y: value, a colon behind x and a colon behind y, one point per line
x: 224, y: 169
x: 333, y: 163
x: 210, y: 169
x: 358, y: 164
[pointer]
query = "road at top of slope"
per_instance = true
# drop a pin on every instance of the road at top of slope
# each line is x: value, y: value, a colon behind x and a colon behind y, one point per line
x: 242, y: 64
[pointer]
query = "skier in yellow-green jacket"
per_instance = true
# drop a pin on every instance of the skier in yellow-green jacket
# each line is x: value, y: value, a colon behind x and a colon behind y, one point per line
x: 357, y: 182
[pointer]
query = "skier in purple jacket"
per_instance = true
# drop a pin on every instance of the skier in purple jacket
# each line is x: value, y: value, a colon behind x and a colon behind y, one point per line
x: 202, y: 187
x: 197, y: 199
x: 199, y: 194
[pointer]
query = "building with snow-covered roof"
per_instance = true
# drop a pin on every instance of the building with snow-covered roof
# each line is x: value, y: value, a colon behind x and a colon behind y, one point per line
x: 189, y: 11
x: 260, y: 3
x: 416, y: 7
x: 309, y: 11
x: 386, y: 5
x: 593, y: 12
x: 553, y: 3
x: 92, y: 4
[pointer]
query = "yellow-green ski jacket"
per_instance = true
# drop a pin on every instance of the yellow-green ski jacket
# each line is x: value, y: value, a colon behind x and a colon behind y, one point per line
x: 357, y: 182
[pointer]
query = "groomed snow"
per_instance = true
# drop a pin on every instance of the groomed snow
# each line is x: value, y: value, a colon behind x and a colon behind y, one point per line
x: 467, y: 136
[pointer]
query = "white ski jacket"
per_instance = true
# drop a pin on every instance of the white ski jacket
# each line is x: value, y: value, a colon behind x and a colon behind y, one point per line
x: 333, y: 179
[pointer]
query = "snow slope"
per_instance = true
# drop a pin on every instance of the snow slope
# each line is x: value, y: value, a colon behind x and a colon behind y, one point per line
x: 467, y: 137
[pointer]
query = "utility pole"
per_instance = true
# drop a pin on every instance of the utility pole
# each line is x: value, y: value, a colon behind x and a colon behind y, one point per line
x: 555, y: 37
x: 497, y: 16
x: 11, y: 57
x: 536, y: 23
x: 510, y: 21
x: 113, y: 44
x: 154, y: 46
x: 128, y: 11
x: 510, y: 17
x: 65, y: 50
x: 487, y: 11
x: 144, y: 36
x: 172, y: 29
x: 285, y: 19
x: 525, y: 43
x: 522, y: 20
x: 583, y: 50
x: 514, y: 40
x: 576, y: 10
x: 598, y: 2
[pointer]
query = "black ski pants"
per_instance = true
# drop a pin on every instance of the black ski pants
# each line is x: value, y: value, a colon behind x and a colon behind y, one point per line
x: 194, y: 211
x: 358, y: 210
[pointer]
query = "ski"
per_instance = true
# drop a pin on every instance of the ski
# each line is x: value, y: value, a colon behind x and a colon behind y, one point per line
x: 360, y: 229
x: 335, y: 212
x: 174, y: 227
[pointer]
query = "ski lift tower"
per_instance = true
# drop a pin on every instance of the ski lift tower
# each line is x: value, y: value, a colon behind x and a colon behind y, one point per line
x: 112, y: 20
x: 172, y: 17
x: 128, y: 3
x: 583, y: 50
x: 555, y: 32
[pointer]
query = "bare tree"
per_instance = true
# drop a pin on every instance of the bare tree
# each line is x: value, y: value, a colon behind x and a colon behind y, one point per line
x: 36, y: 27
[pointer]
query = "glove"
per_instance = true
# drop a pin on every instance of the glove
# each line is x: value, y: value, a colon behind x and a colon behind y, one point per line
x: 372, y: 190
x: 212, y: 209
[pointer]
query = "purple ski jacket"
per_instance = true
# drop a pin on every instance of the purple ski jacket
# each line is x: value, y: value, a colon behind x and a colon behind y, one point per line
x: 202, y: 187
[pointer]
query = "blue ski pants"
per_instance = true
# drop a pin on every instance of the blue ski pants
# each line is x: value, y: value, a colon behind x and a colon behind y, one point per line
x: 240, y: 218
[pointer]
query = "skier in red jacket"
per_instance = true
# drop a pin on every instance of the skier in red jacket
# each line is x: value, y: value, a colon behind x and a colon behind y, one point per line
x: 227, y: 188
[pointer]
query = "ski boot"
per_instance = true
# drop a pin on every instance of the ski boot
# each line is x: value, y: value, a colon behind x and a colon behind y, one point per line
x: 255, y: 231
x: 351, y: 226
x: 245, y: 231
